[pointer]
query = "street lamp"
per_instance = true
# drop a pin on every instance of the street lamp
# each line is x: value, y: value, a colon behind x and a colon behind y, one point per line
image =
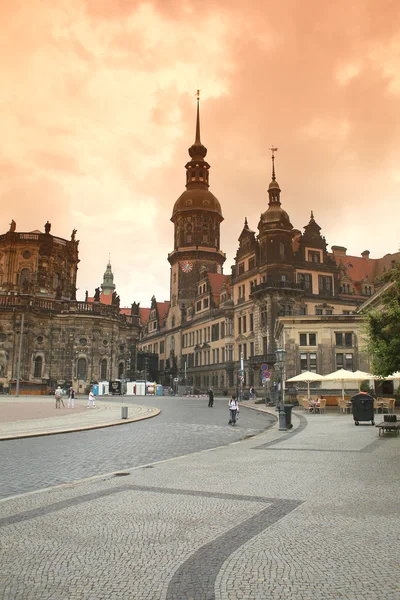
x: 280, y: 361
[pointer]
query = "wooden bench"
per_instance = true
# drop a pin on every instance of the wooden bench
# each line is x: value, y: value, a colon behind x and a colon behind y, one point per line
x: 389, y: 427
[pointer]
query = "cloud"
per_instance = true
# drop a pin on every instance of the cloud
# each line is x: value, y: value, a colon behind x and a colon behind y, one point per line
x: 98, y: 106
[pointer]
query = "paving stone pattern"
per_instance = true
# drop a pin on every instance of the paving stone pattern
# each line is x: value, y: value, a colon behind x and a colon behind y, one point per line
x: 184, y: 426
x: 314, y: 516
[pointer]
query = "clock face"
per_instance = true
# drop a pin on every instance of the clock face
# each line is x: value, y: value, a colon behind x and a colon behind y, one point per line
x: 187, y: 266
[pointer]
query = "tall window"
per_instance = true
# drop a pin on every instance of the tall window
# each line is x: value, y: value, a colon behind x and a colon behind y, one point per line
x: 308, y: 362
x: 344, y: 339
x: 37, y: 370
x: 25, y: 276
x: 308, y: 339
x: 251, y: 349
x: 81, y: 368
x: 344, y: 361
x: 103, y: 369
x: 263, y: 315
x: 251, y: 326
x: 239, y: 325
x: 265, y: 345
x: 244, y: 324
x: 120, y: 370
x: 325, y: 285
x: 306, y: 281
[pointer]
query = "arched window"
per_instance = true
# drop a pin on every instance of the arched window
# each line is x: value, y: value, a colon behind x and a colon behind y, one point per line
x: 38, y: 364
x: 120, y: 370
x: 25, y: 276
x: 103, y: 369
x: 81, y: 368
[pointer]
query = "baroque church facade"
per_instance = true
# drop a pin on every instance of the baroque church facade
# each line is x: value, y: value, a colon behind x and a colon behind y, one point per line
x: 284, y: 290
x: 47, y: 337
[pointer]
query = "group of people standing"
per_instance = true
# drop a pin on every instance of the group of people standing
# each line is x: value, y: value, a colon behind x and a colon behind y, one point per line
x: 233, y: 406
x: 58, y: 395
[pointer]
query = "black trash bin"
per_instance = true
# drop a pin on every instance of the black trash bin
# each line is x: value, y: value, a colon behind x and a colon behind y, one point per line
x: 288, y: 413
x: 362, y: 408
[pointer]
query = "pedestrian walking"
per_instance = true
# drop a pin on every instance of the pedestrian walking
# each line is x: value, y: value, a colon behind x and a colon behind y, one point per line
x: 210, y: 397
x: 233, y: 410
x: 91, y: 400
x: 59, y: 398
x: 71, y: 398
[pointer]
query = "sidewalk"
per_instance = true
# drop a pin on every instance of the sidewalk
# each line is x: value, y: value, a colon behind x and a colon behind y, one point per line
x: 31, y: 416
x: 310, y: 514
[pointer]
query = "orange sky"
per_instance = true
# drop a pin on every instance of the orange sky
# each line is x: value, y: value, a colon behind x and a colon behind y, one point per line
x: 97, y: 111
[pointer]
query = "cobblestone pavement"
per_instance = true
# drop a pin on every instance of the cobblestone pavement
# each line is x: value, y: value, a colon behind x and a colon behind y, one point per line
x: 185, y: 425
x: 311, y: 514
x: 21, y: 418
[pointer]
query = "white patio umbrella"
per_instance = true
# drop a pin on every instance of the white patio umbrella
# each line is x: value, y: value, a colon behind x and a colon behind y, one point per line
x: 307, y: 377
x: 392, y: 376
x: 343, y: 375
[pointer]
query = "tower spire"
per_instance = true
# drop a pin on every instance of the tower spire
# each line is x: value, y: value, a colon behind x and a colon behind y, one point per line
x: 273, y: 150
x: 197, y: 140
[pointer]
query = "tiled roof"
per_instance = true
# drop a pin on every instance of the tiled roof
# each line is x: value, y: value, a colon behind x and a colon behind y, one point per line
x: 144, y: 314
x: 359, y: 267
x: 163, y: 308
x: 216, y: 281
x: 104, y: 299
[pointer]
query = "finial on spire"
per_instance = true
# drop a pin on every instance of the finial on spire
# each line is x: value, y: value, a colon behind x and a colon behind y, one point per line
x: 197, y: 140
x: 273, y: 150
x: 312, y: 215
x: 245, y: 222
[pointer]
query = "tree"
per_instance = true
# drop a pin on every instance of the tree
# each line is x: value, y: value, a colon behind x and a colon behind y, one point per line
x: 383, y: 326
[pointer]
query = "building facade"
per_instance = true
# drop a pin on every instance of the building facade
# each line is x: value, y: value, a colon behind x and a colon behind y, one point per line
x: 47, y: 337
x: 284, y: 290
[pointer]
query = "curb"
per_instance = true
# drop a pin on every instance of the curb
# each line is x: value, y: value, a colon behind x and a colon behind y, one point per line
x: 19, y: 436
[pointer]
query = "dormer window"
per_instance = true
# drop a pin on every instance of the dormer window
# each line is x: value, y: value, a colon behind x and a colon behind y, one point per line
x: 314, y: 256
x: 241, y: 268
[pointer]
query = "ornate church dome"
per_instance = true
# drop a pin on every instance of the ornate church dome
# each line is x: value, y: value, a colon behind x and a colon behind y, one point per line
x: 197, y: 199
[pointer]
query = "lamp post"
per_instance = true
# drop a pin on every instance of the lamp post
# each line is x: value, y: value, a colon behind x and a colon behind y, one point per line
x: 280, y: 361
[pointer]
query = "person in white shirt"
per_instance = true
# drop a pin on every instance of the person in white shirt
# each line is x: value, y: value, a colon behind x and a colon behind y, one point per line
x: 91, y: 400
x: 233, y: 409
x: 71, y: 398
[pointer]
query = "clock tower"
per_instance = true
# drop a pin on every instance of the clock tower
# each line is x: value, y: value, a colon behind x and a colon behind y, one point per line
x: 196, y: 217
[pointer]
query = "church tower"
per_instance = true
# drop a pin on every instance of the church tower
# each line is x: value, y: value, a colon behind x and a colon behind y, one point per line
x: 275, y: 235
x: 108, y: 285
x: 196, y: 217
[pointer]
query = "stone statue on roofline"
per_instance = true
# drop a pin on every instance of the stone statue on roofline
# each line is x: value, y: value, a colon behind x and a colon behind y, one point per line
x: 73, y: 235
x: 86, y: 296
x: 96, y: 297
x: 115, y: 300
x: 135, y: 308
x: 13, y: 226
x: 47, y: 227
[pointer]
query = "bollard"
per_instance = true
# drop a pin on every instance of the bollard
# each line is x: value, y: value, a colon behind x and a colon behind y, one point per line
x: 124, y: 412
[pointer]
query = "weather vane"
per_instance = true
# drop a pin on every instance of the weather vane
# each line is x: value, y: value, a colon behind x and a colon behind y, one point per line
x: 273, y: 150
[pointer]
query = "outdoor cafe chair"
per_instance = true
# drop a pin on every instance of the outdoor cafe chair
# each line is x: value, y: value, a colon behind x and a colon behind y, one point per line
x: 322, y: 405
